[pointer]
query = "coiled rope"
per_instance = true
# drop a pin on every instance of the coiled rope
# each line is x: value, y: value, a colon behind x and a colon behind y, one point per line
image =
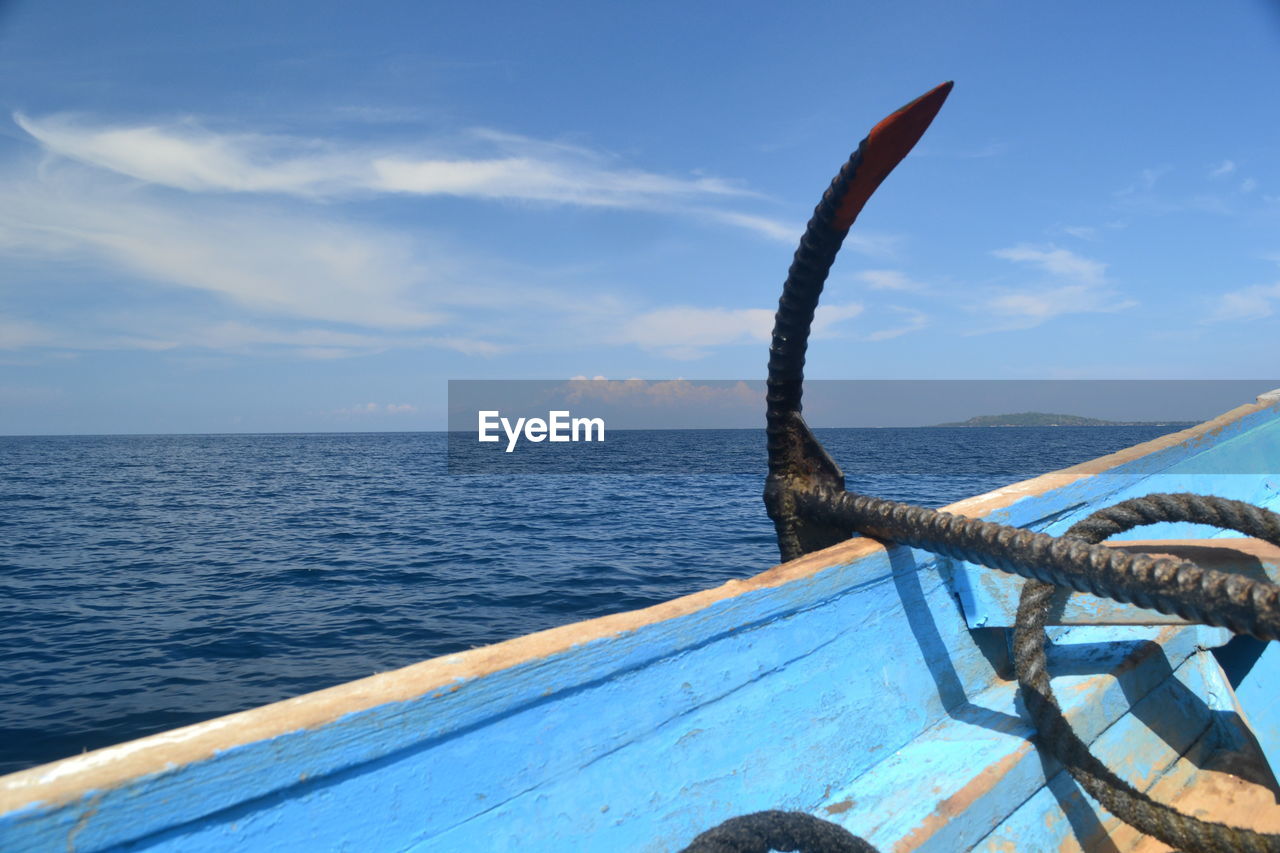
x: 1135, y: 808
x: 775, y: 830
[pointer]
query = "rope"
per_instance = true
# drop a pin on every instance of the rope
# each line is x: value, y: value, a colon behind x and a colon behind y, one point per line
x: 1173, y: 587
x: 1054, y: 732
x: 776, y: 830
x: 1078, y: 562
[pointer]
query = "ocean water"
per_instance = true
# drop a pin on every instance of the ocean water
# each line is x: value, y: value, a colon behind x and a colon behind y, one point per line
x: 148, y: 582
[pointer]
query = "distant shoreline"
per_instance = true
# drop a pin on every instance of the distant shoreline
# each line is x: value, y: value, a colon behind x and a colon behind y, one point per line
x: 1043, y: 419
x: 471, y: 432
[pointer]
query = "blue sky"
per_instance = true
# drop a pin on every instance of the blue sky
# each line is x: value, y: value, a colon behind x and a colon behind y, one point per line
x: 283, y: 216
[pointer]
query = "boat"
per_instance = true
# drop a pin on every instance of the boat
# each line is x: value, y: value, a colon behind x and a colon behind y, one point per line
x: 868, y: 684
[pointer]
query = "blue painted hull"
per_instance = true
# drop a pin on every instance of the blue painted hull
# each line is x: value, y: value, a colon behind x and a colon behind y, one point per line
x: 863, y: 685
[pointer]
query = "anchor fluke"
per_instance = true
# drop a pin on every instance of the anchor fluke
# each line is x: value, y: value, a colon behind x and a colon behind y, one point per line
x: 796, y: 458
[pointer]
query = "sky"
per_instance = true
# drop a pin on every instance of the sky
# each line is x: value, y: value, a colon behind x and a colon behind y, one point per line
x: 283, y: 216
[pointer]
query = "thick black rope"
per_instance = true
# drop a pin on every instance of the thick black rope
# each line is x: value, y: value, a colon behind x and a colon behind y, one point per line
x: 1076, y: 561
x: 1055, y: 734
x: 761, y: 832
x: 1174, y: 587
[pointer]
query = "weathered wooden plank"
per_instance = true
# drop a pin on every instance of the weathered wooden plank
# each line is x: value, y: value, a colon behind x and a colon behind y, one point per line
x: 960, y: 779
x: 1169, y: 746
x: 1254, y: 669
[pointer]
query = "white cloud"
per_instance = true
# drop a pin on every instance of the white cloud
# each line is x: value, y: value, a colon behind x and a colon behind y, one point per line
x: 874, y: 244
x: 1150, y: 176
x: 1057, y: 262
x: 291, y: 283
x: 530, y: 179
x: 467, y: 346
x: 322, y: 343
x: 1226, y: 167
x: 1248, y: 185
x: 1146, y: 182
x: 912, y: 321
x: 888, y: 280
x: 685, y: 333
x: 1075, y: 285
x: 20, y: 334
x: 285, y: 265
x: 827, y: 317
x: 1083, y: 232
x: 189, y: 157
x: 1248, y: 303
x: 1024, y: 309
x: 783, y: 232
x: 268, y: 274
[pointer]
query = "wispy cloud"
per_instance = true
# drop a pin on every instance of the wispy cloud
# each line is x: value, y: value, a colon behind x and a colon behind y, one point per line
x: 665, y: 393
x: 366, y: 409
x: 1248, y: 303
x: 243, y: 260
x: 874, y: 244
x: 293, y: 265
x: 888, y: 280
x: 1226, y: 167
x: 241, y: 337
x: 828, y: 317
x: 282, y: 282
x: 187, y: 156
x: 1173, y: 197
x: 1143, y: 185
x: 1056, y: 262
x: 783, y: 232
x: 686, y: 333
x: 991, y: 149
x: 912, y: 320
x: 1028, y: 308
x: 1072, y: 284
x: 1083, y: 232
x: 19, y: 334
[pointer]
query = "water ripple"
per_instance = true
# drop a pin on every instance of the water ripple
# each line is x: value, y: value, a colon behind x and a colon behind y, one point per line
x: 155, y: 581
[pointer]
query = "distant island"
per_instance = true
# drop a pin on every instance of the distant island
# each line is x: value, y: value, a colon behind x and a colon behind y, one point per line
x: 1041, y: 419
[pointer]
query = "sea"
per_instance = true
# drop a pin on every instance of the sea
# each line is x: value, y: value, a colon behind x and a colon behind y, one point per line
x: 154, y: 581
